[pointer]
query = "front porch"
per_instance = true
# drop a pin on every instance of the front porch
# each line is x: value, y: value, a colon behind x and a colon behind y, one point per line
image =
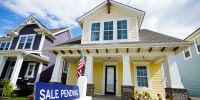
x: 107, y: 71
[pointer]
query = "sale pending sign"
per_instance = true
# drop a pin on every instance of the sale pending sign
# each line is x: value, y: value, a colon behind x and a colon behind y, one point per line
x: 49, y: 91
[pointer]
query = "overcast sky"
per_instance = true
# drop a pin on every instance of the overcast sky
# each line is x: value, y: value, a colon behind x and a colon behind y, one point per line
x: 177, y: 18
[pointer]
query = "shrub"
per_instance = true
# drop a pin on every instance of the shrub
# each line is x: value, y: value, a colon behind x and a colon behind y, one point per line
x: 7, y: 89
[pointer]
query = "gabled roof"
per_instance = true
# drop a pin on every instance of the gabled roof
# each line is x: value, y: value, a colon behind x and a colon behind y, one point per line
x: 120, y: 6
x: 193, y: 35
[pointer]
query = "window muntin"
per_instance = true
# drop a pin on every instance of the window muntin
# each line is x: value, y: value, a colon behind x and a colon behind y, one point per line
x: 122, y: 29
x: 142, y: 77
x: 4, y: 45
x: 30, y: 70
x: 95, y: 32
x: 25, y: 42
x: 187, y: 53
x: 197, y: 40
x: 108, y: 30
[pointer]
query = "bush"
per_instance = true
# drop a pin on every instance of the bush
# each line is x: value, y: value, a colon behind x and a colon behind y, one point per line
x: 7, y: 89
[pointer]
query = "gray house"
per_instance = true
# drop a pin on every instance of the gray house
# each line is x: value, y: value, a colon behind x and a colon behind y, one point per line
x: 188, y: 63
x: 23, y: 54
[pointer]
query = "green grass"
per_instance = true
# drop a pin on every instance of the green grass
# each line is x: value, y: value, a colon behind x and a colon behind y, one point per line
x: 19, y: 98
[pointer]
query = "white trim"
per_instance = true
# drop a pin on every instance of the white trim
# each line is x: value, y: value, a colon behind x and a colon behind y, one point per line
x: 104, y: 71
x: 11, y: 43
x: 61, y: 31
x: 189, y: 53
x: 163, y: 75
x: 195, y: 44
x: 137, y: 31
x: 32, y: 74
x: 148, y: 73
x: 9, y: 67
x: 41, y: 42
x: 39, y: 72
x: 31, y: 47
x: 68, y: 74
x: 5, y: 45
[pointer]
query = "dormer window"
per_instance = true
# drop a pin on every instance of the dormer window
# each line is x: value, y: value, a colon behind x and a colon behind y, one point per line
x: 108, y: 30
x: 95, y: 32
x: 122, y: 29
x: 25, y: 42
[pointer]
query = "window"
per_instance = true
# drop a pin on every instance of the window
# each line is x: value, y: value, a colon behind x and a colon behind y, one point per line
x: 142, y: 77
x: 65, y: 66
x: 30, y: 70
x: 197, y: 41
x: 25, y: 42
x: 122, y: 29
x: 108, y: 30
x: 95, y: 32
x: 4, y: 45
x: 187, y: 53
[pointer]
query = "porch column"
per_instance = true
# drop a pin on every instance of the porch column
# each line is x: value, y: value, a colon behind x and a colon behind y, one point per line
x: 89, y: 69
x: 16, y: 70
x: 39, y: 72
x: 89, y: 75
x: 2, y: 63
x: 126, y: 71
x: 173, y: 76
x: 127, y: 88
x: 57, y: 71
x: 174, y: 84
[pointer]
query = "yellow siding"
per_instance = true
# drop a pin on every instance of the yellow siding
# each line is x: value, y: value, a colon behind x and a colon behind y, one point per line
x: 72, y: 74
x: 98, y: 76
x: 120, y: 76
x: 156, y: 81
x: 114, y: 14
x: 132, y: 73
x: 133, y: 34
x: 86, y: 32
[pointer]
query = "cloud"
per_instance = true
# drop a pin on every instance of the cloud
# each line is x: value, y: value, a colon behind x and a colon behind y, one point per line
x: 177, y: 18
x: 1, y: 35
x: 7, y: 21
x: 7, y: 27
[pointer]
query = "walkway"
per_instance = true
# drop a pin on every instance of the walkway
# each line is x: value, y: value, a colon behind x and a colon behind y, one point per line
x: 106, y: 97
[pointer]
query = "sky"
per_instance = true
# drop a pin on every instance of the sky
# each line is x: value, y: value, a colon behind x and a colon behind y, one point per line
x: 177, y: 18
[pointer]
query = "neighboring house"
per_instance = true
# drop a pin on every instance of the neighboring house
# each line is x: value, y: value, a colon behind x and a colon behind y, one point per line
x: 188, y: 63
x: 23, y: 54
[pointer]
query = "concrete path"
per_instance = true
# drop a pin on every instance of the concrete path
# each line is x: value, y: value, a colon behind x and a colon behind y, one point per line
x: 106, y: 97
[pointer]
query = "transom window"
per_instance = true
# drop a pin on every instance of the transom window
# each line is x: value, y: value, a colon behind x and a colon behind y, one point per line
x: 95, y: 32
x: 187, y: 53
x: 25, y: 42
x: 122, y: 29
x: 4, y: 45
x: 198, y: 44
x: 30, y: 70
x: 142, y: 77
x: 108, y: 30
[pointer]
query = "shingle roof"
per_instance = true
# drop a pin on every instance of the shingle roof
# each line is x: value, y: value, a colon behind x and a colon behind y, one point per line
x: 146, y: 36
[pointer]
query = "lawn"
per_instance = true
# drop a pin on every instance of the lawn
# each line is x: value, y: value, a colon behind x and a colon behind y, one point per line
x: 18, y: 98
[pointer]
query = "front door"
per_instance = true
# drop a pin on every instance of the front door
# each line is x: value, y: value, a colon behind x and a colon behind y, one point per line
x: 110, y: 80
x: 10, y: 70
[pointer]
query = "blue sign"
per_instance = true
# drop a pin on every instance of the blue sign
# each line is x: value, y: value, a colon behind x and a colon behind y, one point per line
x: 49, y: 91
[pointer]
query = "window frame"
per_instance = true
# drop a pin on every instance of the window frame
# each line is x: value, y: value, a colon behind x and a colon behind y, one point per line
x: 101, y: 39
x: 95, y: 31
x: 64, y: 63
x: 136, y: 64
x: 26, y: 39
x: 123, y: 30
x: 27, y: 70
x: 186, y: 58
x: 108, y: 30
x: 5, y: 45
x: 195, y: 41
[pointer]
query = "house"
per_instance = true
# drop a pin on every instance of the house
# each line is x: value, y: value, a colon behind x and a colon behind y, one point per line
x: 189, y: 65
x: 120, y: 57
x: 23, y: 54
